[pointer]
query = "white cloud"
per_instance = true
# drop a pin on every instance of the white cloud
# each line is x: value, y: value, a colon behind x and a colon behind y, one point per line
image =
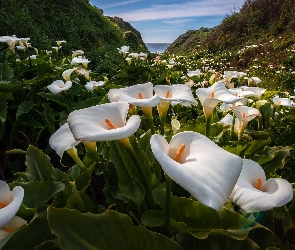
x: 178, y: 21
x: 121, y: 3
x: 180, y: 10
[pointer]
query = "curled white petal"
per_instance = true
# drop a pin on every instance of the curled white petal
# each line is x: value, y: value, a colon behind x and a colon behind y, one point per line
x: 131, y: 95
x: 274, y: 192
x: 10, y: 210
x: 177, y: 92
x: 59, y: 86
x: 89, y: 124
x: 205, y: 170
x: 15, y: 223
x: 62, y: 140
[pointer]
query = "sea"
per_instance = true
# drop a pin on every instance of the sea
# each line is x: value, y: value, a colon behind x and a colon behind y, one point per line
x: 157, y: 47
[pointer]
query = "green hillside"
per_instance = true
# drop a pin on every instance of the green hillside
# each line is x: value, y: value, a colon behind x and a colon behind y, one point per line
x: 264, y: 22
x: 82, y: 25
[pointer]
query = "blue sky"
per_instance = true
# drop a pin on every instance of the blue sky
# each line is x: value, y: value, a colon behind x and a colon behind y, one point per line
x: 164, y: 20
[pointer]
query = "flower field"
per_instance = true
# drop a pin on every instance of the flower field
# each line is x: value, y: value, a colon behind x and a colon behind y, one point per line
x: 158, y: 152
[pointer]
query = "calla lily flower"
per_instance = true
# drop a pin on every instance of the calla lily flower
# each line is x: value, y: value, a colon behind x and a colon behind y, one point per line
x: 6, y: 38
x: 59, y: 86
x: 9, y: 229
x: 177, y: 92
x: 123, y: 49
x: 173, y: 93
x: 60, y: 42
x: 277, y: 101
x: 253, y: 193
x: 134, y: 55
x: 260, y: 103
x: 62, y: 140
x: 105, y: 122
x: 175, y: 124
x: 206, y: 171
x: 10, y: 202
x: 230, y: 74
x: 67, y: 74
x: 92, y: 85
x: 258, y: 91
x: 140, y: 95
x: 77, y: 52
x: 80, y: 60
x: 192, y: 73
x: 244, y: 114
x: 210, y: 97
x: 242, y: 93
x: 84, y: 72
x: 254, y: 79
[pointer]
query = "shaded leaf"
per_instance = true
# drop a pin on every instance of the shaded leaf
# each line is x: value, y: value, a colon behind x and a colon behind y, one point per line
x: 109, y: 230
x: 24, y: 108
x: 38, y: 193
x: 30, y: 236
x: 38, y: 165
x: 126, y: 170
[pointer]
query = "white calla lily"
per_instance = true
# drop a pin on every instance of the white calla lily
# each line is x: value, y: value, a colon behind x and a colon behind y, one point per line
x: 9, y: 229
x: 242, y: 93
x: 258, y: 91
x: 10, y: 202
x: 92, y: 85
x: 105, y: 122
x: 59, y: 86
x: 206, y: 171
x: 177, y: 92
x: 277, y: 101
x: 192, y: 73
x: 67, y: 74
x: 80, y: 60
x: 253, y: 193
x: 210, y: 97
x: 244, y: 115
x: 62, y: 140
x: 140, y: 95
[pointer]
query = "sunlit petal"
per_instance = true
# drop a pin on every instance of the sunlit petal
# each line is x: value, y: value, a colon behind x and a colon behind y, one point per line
x: 91, y: 124
x: 204, y: 169
x: 274, y: 192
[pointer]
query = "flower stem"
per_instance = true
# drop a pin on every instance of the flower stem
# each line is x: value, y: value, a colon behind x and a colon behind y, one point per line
x: 231, y: 134
x: 168, y: 205
x: 126, y: 143
x: 162, y: 131
x: 208, y: 124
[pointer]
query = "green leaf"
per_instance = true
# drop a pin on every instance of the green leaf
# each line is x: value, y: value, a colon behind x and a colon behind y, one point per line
x: 153, y: 218
x: 7, y: 96
x: 38, y: 193
x: 30, y: 236
x: 38, y: 165
x: 144, y: 143
x: 3, y: 110
x: 126, y: 170
x: 109, y: 230
x: 58, y: 98
x: 6, y: 73
x: 49, y: 118
x: 30, y: 120
x: 214, y: 242
x: 24, y: 108
x: 256, y: 146
x: 272, y: 158
x: 13, y: 85
x: 201, y: 220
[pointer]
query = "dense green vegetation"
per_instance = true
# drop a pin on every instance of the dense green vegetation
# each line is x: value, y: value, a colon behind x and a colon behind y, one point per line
x: 82, y: 25
x: 257, y: 22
